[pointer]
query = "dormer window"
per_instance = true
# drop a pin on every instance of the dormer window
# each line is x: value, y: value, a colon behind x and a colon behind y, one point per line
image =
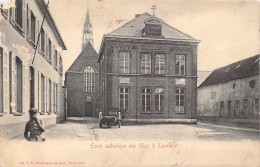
x: 153, y: 27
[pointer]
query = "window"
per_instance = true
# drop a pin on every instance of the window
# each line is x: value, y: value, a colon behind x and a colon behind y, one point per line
x: 42, y: 40
x: 256, y: 106
x: 124, y: 62
x: 19, y: 13
x: 159, y: 99
x: 180, y: 99
x: 33, y: 27
x: 42, y: 94
x: 50, y: 50
x: 234, y: 85
x: 146, y: 63
x: 213, y: 95
x: 89, y: 79
x: 123, y: 98
x: 221, y: 108
x: 159, y: 64
x: 60, y: 65
x: 55, y: 59
x: 28, y: 20
x: 252, y: 84
x: 153, y: 27
x: 180, y: 65
x: 146, y: 99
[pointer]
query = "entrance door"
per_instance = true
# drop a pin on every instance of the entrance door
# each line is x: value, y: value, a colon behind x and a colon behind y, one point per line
x: 89, y: 109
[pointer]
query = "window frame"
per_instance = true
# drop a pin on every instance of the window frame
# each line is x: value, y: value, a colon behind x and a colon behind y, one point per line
x: 159, y: 62
x: 49, y: 51
x: 20, y: 27
x: 145, y: 63
x: 124, y: 93
x: 89, y: 79
x: 145, y: 100
x: 125, y: 65
x: 33, y: 28
x: 179, y: 99
x: 56, y: 60
x: 179, y: 72
x: 161, y: 106
x: 42, y: 42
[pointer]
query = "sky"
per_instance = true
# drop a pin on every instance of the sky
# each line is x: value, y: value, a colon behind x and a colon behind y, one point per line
x: 228, y: 29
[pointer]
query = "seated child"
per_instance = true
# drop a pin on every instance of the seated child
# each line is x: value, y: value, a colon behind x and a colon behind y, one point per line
x: 34, y: 127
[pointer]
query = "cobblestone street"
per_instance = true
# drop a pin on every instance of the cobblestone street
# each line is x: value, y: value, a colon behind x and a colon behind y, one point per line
x: 87, y: 129
x: 80, y: 142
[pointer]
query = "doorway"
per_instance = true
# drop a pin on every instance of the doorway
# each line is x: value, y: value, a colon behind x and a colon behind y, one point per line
x: 31, y: 87
x: 19, y: 85
x: 89, y: 108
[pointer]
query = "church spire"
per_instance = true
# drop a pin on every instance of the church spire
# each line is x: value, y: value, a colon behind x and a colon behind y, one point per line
x: 87, y: 31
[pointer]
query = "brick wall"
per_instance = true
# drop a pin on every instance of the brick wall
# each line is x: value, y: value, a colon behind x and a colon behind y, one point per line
x: 168, y: 81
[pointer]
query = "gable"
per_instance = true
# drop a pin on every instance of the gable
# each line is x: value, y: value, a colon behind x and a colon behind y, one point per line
x: 88, y: 56
x: 134, y: 28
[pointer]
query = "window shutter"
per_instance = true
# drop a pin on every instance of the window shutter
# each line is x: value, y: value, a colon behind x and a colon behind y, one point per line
x: 38, y: 32
x: 23, y: 89
x: 28, y: 23
x: 46, y: 45
x: 46, y: 94
x: 5, y: 80
x: 12, y: 16
x: 24, y: 17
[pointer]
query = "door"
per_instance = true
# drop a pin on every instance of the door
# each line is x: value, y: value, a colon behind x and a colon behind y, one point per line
x: 89, y: 109
x: 229, y: 108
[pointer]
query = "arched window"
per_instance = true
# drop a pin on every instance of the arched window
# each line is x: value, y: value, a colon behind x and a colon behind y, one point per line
x: 89, y: 79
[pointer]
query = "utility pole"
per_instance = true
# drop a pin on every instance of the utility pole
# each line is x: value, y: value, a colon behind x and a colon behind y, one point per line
x: 46, y: 8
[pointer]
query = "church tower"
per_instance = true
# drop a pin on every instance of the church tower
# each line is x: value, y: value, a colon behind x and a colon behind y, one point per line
x: 87, y: 31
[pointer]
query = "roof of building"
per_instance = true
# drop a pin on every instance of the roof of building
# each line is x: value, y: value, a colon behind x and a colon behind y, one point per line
x: 81, y: 61
x: 242, y: 68
x: 135, y: 27
x: 202, y: 75
x: 42, y: 6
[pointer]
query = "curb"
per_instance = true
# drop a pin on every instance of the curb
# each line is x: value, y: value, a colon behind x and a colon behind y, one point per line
x: 160, y: 121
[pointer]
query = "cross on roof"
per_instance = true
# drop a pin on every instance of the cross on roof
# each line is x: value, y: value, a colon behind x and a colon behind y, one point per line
x: 153, y: 8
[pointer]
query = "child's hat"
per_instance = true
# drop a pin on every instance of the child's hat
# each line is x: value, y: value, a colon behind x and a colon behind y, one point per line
x: 33, y: 111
